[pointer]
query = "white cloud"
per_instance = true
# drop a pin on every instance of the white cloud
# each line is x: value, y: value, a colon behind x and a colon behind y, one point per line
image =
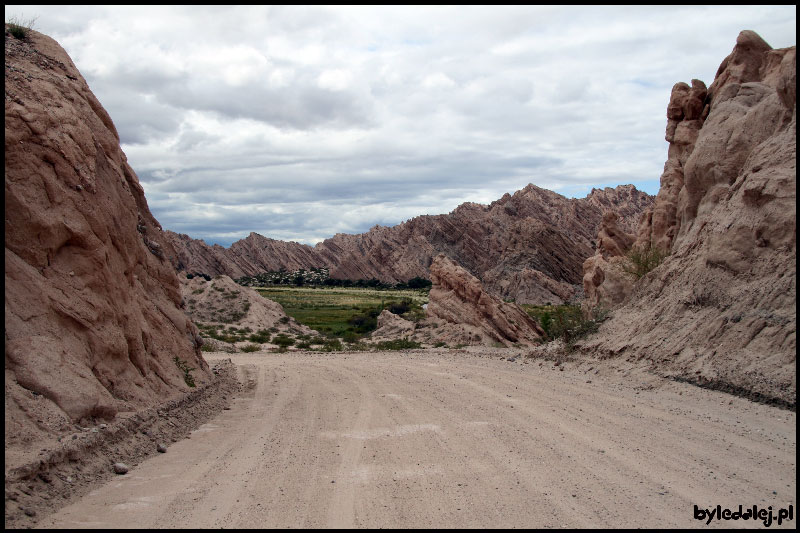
x: 334, y: 79
x: 298, y: 122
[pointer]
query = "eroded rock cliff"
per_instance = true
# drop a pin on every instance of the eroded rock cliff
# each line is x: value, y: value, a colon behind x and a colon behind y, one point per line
x: 721, y: 309
x: 93, y: 317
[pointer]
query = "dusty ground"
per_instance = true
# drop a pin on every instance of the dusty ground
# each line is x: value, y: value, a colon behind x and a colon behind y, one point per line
x: 441, y: 439
x: 48, y: 473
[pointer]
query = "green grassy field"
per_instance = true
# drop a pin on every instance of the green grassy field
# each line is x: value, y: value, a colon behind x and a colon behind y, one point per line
x: 339, y: 311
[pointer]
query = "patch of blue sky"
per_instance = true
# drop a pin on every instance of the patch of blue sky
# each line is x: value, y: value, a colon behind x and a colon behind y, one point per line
x: 644, y: 83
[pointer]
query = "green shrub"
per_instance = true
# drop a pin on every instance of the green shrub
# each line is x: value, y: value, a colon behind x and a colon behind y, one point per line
x: 332, y: 345
x: 282, y: 340
x: 546, y: 321
x: 364, y: 322
x: 360, y: 347
x: 566, y: 322
x: 184, y: 366
x: 261, y: 336
x: 419, y: 283
x: 19, y: 28
x: 570, y: 325
x: 251, y: 348
x: 398, y: 344
x: 350, y: 337
x: 640, y: 261
x: 399, y: 308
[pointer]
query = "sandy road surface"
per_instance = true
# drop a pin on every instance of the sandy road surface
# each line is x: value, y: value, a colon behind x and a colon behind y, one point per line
x: 428, y: 439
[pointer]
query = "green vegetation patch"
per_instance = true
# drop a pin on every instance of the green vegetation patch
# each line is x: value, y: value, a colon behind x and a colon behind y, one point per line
x: 19, y: 28
x: 566, y: 322
x: 640, y: 261
x: 398, y: 344
x: 186, y: 369
x: 345, y: 312
x: 232, y: 334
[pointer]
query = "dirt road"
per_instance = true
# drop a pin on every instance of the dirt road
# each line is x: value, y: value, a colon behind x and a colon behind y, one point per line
x: 433, y: 439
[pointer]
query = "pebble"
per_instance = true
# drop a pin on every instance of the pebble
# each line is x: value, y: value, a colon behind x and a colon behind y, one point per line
x: 161, y: 448
x: 120, y: 468
x: 30, y: 512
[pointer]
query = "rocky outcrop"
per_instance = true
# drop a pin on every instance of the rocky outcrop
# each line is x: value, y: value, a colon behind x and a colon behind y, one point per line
x: 461, y: 312
x: 457, y: 297
x: 528, y: 246
x: 606, y: 282
x: 686, y: 113
x: 93, y: 321
x: 221, y: 301
x: 391, y: 327
x: 721, y: 309
x: 252, y: 255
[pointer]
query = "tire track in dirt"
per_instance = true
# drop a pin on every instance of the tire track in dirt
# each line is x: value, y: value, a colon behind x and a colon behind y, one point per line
x: 435, y: 440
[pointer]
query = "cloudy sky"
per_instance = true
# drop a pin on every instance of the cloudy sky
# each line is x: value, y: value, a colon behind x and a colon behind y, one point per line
x: 301, y: 122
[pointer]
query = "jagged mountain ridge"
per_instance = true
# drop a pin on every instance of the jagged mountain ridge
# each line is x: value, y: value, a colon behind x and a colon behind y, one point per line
x: 528, y: 246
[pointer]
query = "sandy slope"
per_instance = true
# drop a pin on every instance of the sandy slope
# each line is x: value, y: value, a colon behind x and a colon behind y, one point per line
x: 438, y: 439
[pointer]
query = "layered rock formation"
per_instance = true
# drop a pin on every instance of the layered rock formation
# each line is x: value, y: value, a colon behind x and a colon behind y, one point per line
x: 252, y: 255
x: 460, y: 311
x: 458, y: 298
x: 721, y: 309
x: 528, y: 246
x: 93, y: 319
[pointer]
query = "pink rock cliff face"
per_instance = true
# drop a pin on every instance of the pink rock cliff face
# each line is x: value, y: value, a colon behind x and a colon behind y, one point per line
x: 721, y: 309
x: 93, y: 315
